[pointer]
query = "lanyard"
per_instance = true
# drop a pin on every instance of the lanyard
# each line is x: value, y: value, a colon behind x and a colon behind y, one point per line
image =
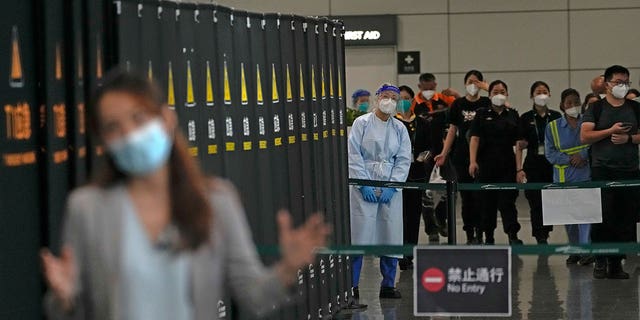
x: 535, y: 124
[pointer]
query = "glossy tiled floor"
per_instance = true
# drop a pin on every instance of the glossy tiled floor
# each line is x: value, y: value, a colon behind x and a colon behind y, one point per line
x: 543, y: 286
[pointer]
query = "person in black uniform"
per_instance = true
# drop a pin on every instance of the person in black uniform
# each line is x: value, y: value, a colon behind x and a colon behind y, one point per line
x: 411, y: 199
x: 462, y: 112
x: 494, y: 132
x: 536, y: 168
x: 434, y: 203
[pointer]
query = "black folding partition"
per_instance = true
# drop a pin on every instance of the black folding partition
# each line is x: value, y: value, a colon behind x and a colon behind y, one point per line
x: 19, y: 168
x: 76, y: 102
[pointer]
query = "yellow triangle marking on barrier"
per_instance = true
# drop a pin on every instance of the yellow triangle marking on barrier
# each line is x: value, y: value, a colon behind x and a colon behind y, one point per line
x: 209, y: 84
x: 171, y: 96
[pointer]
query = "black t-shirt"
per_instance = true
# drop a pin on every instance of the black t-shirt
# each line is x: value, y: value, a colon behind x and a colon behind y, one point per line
x: 461, y: 115
x: 498, y: 134
x: 604, y: 153
x: 532, y: 129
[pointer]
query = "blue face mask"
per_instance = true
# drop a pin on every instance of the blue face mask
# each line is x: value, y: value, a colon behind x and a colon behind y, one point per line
x: 142, y: 151
x: 404, y: 105
x: 363, y: 107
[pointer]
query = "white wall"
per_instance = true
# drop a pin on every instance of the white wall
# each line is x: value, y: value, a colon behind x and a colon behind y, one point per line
x: 563, y: 42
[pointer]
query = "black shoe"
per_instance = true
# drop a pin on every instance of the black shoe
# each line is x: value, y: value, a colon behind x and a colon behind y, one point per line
x: 443, y: 231
x: 573, y: 259
x: 389, y: 293
x: 586, y: 260
x: 489, y: 239
x: 513, y: 239
x: 434, y: 238
x: 478, y: 236
x: 600, y: 268
x: 615, y: 270
x: 356, y: 293
x: 471, y: 238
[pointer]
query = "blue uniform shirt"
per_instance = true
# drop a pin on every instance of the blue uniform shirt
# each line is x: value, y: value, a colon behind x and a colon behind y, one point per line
x: 562, y: 141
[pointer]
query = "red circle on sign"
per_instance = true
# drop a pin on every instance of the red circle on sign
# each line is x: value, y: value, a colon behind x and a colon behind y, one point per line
x: 433, y: 279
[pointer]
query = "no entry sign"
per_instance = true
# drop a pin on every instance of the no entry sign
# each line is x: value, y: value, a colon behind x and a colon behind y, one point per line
x: 462, y: 281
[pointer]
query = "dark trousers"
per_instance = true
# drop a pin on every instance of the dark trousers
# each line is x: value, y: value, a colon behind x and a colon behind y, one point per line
x: 434, y: 214
x: 619, y: 208
x: 411, y: 212
x: 534, y: 197
x: 471, y: 212
x: 503, y: 200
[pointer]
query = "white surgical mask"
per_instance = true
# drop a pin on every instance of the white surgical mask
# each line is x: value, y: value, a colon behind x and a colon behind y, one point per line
x: 472, y: 89
x: 428, y: 94
x: 541, y: 100
x: 572, y: 112
x: 387, y: 106
x: 620, y: 91
x: 498, y: 100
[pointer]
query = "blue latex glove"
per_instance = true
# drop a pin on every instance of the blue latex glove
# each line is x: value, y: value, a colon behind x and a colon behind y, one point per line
x: 387, y: 194
x: 367, y: 194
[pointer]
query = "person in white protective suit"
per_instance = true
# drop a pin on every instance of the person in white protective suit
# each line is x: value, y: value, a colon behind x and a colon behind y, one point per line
x: 379, y: 149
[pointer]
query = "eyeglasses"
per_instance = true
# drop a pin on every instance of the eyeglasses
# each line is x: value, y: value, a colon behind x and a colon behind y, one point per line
x: 617, y: 83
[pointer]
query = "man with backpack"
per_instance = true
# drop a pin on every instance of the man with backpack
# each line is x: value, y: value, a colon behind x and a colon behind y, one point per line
x: 611, y: 127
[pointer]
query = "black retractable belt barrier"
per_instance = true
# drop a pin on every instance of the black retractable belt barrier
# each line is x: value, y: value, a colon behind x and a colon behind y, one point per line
x: 259, y: 116
x: 169, y: 40
x: 313, y: 69
x: 344, y: 261
x: 100, y: 52
x: 20, y: 221
x: 336, y: 281
x: 243, y: 121
x: 209, y: 92
x: 326, y: 290
x: 185, y: 55
x: 53, y: 118
x: 291, y: 124
x: 129, y: 30
x: 452, y: 189
x: 276, y: 123
x: 76, y: 108
x: 300, y: 92
x: 196, y: 82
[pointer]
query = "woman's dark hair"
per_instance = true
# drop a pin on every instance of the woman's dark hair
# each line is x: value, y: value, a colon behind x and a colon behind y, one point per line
x: 476, y: 73
x: 497, y: 82
x: 537, y: 84
x: 588, y: 97
x: 191, y: 210
x: 407, y: 89
x: 568, y: 93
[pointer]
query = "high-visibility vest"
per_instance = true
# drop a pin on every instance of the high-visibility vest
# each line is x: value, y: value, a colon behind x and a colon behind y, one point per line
x: 553, y: 125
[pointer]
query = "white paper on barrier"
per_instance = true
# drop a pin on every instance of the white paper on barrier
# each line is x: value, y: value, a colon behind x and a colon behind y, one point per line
x: 571, y: 206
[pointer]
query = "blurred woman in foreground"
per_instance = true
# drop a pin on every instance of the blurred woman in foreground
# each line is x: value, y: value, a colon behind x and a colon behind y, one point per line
x: 152, y: 238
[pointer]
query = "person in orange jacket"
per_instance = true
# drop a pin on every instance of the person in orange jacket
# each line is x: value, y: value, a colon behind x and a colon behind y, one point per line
x: 423, y: 101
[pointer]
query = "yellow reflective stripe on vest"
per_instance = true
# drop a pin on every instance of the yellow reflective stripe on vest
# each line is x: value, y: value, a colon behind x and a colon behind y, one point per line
x: 561, y: 175
x: 570, y: 151
x: 554, y: 133
x: 556, y: 140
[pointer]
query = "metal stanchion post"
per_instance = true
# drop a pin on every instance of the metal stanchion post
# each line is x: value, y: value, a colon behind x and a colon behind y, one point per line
x: 452, y: 189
